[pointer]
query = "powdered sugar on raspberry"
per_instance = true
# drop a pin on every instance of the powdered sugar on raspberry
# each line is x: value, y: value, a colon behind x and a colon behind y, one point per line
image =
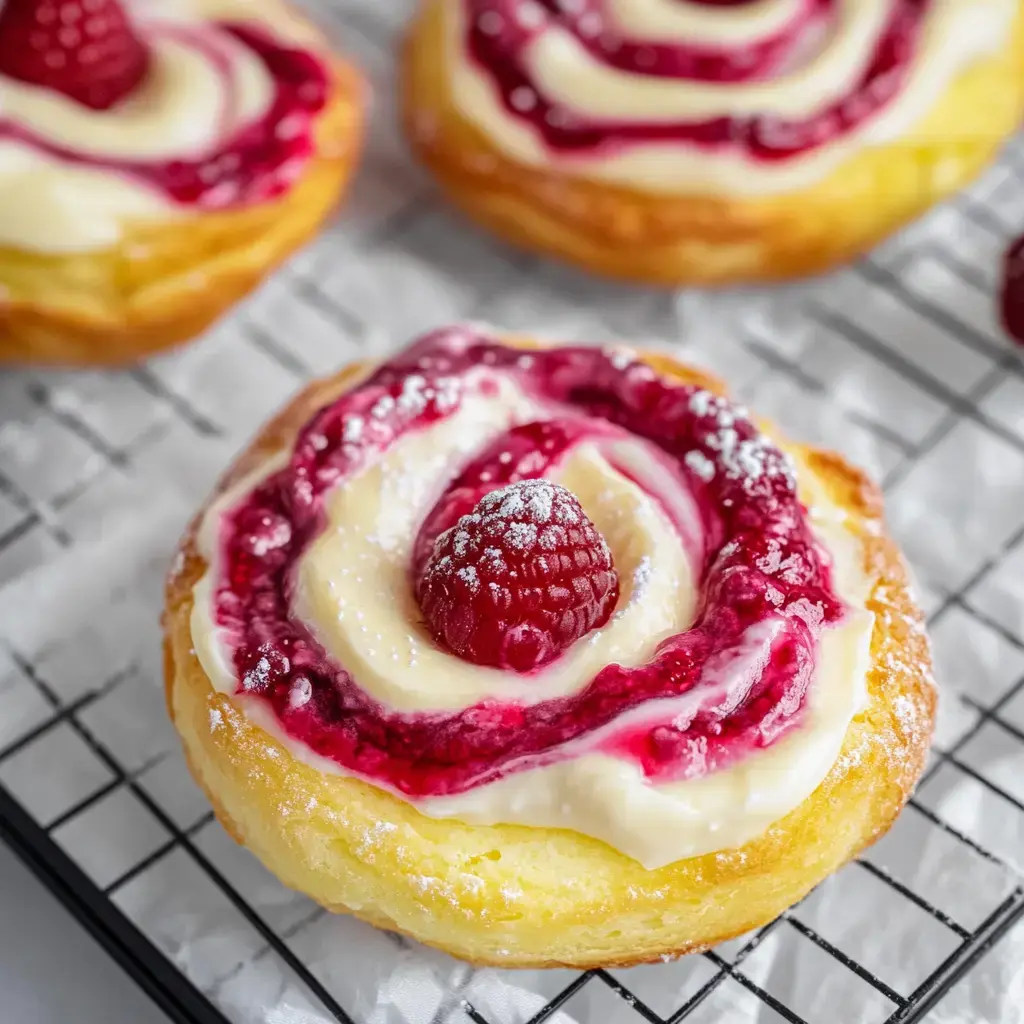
x: 548, y: 573
x: 522, y: 536
x: 527, y: 505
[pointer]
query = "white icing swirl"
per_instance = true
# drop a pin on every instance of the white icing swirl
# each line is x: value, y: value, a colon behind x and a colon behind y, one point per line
x: 566, y: 72
x: 955, y: 34
x: 683, y: 22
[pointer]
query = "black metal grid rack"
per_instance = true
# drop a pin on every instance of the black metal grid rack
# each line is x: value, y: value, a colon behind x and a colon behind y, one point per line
x: 914, y: 320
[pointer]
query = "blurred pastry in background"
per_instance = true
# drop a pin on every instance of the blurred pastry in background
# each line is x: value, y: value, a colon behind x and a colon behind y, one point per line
x: 155, y: 162
x: 709, y: 141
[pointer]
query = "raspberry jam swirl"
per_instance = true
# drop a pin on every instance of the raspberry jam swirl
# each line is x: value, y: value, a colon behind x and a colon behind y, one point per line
x: 224, y: 118
x: 644, y: 537
x: 631, y: 90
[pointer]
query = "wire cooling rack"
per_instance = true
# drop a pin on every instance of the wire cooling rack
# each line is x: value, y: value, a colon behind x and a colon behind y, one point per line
x: 899, y: 361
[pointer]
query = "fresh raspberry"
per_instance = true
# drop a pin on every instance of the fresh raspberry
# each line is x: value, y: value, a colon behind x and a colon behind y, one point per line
x: 1011, y: 298
x: 520, y: 578
x: 85, y: 49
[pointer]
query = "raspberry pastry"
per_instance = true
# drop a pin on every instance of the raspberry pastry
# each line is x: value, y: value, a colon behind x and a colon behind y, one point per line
x: 545, y: 655
x: 708, y: 141
x: 153, y: 169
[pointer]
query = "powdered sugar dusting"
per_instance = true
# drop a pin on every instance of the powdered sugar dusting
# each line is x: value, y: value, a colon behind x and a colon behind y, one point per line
x: 522, y: 535
x: 301, y: 692
x: 549, y: 538
x: 257, y: 677
x: 510, y: 502
x: 734, y: 446
x: 383, y: 407
x: 468, y: 575
x: 701, y: 465
x: 353, y: 429
x: 702, y: 403
x: 372, y: 839
x: 620, y: 357
x: 515, y: 513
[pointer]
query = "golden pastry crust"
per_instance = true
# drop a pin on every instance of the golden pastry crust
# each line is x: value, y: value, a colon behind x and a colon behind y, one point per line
x: 168, y: 281
x: 709, y: 239
x: 578, y: 902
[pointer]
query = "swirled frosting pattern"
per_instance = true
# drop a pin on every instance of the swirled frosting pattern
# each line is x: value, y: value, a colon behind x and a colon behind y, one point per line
x: 720, y: 689
x: 754, y: 95
x: 224, y: 119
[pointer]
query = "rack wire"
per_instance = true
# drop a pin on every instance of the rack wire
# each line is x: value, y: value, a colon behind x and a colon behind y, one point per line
x: 915, y: 322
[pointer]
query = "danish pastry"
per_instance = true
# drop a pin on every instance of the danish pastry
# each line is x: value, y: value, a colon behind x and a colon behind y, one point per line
x: 545, y: 655
x: 153, y: 170
x: 693, y: 141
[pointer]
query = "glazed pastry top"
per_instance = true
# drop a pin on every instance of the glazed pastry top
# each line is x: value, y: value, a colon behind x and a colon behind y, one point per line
x: 224, y: 117
x: 748, y: 96
x: 544, y: 587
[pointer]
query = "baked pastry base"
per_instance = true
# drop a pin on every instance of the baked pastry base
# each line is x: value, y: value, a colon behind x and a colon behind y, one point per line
x: 512, y: 896
x: 708, y: 239
x: 167, y: 282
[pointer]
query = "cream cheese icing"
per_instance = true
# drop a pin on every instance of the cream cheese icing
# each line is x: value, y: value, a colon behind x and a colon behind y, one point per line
x: 796, y: 108
x: 594, y: 787
x: 684, y: 22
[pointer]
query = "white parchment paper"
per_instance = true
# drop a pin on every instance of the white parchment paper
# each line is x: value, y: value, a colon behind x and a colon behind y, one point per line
x: 899, y: 362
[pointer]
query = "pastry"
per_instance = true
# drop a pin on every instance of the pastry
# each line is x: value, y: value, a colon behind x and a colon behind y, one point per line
x: 154, y: 168
x: 535, y: 655
x: 699, y: 142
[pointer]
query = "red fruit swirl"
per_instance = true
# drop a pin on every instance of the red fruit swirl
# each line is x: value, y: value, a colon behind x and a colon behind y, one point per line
x: 261, y: 160
x: 759, y: 565
x: 500, y: 32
